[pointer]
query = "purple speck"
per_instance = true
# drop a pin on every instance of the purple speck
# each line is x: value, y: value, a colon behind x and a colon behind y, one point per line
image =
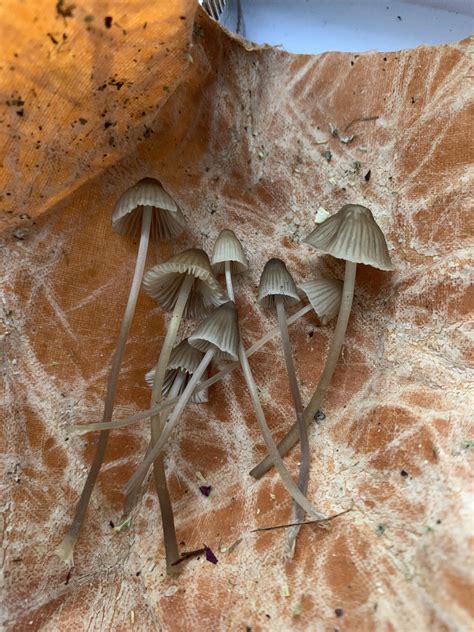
x: 205, y: 490
x: 210, y: 557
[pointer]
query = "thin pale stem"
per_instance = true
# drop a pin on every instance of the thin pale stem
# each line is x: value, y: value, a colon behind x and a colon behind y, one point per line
x: 166, y: 508
x: 159, y: 475
x: 169, y: 402
x: 144, y: 466
x: 291, y: 438
x: 228, y: 281
x: 66, y: 548
x: 303, y: 478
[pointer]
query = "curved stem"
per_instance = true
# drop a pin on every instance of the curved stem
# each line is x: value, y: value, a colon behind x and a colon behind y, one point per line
x: 81, y: 429
x: 66, y: 548
x: 144, y: 466
x: 303, y: 478
x: 159, y: 475
x: 169, y: 402
x: 314, y: 405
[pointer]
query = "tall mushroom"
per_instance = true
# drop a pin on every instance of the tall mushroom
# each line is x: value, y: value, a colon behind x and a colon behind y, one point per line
x: 219, y: 336
x: 351, y: 234
x: 143, y: 211
x: 185, y: 286
x: 278, y: 290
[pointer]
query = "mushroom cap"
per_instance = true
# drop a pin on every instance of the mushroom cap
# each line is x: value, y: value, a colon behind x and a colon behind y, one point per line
x: 228, y: 248
x: 167, y: 220
x: 183, y: 359
x: 221, y: 331
x: 324, y: 295
x: 352, y: 234
x: 277, y: 281
x: 163, y: 283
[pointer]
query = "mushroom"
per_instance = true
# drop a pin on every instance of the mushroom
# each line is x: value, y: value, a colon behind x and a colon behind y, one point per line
x: 186, y: 286
x: 325, y: 297
x: 145, y: 210
x: 184, y: 360
x: 351, y: 234
x: 228, y: 257
x: 277, y: 289
x: 219, y: 336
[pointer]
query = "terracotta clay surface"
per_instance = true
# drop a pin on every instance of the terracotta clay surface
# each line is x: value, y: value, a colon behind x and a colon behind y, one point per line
x: 243, y: 142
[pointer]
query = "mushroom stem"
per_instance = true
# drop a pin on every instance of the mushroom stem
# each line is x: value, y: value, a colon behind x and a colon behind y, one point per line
x: 291, y: 438
x: 170, y: 402
x: 166, y: 507
x: 66, y: 548
x: 135, y: 481
x: 290, y: 366
x: 303, y: 478
x: 159, y: 475
x: 228, y: 281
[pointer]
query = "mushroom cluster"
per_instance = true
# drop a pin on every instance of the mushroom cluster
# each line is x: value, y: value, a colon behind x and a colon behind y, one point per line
x: 186, y: 286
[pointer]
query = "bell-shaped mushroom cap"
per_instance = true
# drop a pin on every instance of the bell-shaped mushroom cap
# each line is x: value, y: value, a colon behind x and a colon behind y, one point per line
x: 324, y: 296
x: 354, y: 235
x: 277, y: 281
x: 220, y: 330
x: 228, y: 248
x: 183, y: 359
x: 201, y: 397
x: 164, y: 281
x: 167, y: 220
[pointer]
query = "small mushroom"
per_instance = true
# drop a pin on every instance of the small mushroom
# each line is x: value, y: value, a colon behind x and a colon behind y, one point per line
x: 351, y: 234
x: 217, y: 336
x: 145, y: 210
x: 186, y: 286
x: 228, y: 257
x: 184, y: 360
x: 277, y: 289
